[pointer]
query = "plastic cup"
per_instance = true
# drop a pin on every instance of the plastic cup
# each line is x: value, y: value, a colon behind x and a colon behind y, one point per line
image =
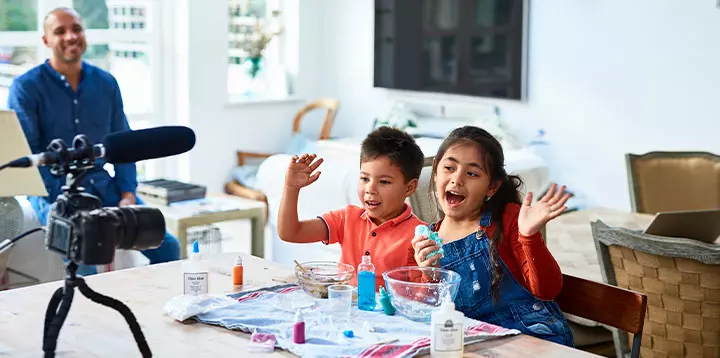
x: 340, y: 299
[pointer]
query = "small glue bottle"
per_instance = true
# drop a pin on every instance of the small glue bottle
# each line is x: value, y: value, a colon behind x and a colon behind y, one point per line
x: 299, y: 328
x: 195, y: 274
x: 237, y: 272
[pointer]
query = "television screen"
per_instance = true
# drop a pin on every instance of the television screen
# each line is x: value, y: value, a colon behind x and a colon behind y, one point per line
x: 468, y: 47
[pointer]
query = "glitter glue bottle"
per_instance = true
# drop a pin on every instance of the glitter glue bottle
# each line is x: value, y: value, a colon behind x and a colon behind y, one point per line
x: 299, y: 328
x: 386, y: 302
x: 237, y: 272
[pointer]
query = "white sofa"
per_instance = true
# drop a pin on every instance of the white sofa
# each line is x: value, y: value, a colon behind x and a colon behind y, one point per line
x: 336, y: 188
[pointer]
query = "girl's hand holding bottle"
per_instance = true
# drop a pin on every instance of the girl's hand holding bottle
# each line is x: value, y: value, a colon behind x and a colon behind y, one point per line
x: 423, y: 246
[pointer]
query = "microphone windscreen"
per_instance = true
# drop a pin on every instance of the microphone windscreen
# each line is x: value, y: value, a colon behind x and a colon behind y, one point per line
x: 151, y: 143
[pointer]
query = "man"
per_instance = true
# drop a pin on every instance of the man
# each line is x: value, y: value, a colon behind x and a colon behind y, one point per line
x: 66, y: 96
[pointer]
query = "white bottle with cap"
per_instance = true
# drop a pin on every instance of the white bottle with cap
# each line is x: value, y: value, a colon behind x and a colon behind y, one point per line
x: 447, y: 335
x: 195, y: 274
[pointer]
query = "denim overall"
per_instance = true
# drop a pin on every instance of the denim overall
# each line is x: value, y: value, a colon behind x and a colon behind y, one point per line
x: 517, y: 308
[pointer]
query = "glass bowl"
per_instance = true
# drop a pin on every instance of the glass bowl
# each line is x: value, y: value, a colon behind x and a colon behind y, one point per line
x: 417, y: 291
x: 319, y: 275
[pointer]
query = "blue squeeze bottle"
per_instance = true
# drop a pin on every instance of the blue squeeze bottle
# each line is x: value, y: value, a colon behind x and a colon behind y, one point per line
x: 366, y: 284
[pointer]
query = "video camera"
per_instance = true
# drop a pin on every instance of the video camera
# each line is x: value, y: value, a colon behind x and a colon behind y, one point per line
x: 83, y: 231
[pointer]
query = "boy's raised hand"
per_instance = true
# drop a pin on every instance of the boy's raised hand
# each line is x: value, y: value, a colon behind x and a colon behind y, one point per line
x: 532, y: 218
x: 300, y: 171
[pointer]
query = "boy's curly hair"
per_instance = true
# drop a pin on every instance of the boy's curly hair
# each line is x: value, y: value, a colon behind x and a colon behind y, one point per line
x: 398, y: 146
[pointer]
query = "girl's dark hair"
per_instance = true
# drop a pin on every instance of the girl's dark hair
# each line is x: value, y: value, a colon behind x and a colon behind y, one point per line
x: 507, y: 193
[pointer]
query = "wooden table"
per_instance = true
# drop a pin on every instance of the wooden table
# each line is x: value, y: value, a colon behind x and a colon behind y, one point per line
x: 92, y: 330
x: 213, y: 209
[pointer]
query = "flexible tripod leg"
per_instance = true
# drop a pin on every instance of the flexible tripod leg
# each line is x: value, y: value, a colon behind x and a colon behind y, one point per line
x: 52, y: 309
x: 124, y: 311
x: 55, y: 317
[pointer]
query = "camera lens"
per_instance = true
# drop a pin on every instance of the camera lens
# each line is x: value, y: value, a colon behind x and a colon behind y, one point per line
x: 139, y: 228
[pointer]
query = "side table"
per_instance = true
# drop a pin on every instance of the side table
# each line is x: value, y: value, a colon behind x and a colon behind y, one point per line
x: 213, y: 209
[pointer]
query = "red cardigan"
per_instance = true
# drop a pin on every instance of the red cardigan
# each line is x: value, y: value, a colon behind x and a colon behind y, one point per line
x: 528, y: 258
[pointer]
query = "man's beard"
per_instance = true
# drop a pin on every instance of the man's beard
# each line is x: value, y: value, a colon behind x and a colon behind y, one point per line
x: 69, y: 59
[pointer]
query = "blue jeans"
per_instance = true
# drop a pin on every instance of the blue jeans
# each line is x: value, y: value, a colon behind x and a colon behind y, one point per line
x: 168, y: 251
x: 517, y: 308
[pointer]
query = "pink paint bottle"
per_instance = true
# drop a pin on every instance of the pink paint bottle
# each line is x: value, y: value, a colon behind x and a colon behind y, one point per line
x: 299, y: 328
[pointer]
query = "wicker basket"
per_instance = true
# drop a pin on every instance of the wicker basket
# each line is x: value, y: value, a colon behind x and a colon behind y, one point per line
x: 683, y: 317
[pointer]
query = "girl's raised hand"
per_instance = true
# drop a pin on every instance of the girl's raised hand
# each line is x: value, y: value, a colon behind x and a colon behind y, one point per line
x: 533, y: 218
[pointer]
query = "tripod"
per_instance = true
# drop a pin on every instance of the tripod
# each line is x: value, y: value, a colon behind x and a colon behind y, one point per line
x: 59, y: 307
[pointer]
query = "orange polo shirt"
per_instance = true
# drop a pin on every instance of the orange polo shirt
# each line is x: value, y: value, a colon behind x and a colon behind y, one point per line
x: 389, y: 244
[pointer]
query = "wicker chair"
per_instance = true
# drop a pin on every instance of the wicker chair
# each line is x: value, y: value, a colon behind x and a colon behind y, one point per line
x: 681, y: 278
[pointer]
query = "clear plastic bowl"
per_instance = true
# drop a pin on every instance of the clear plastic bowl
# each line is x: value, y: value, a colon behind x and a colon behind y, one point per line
x: 417, y: 291
x: 319, y: 275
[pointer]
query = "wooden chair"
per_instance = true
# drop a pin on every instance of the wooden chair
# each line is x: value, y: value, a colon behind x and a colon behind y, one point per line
x: 329, y: 104
x: 609, y: 305
x: 673, y: 181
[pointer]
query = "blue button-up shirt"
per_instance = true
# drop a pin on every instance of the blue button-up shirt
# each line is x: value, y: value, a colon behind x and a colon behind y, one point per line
x: 48, y: 108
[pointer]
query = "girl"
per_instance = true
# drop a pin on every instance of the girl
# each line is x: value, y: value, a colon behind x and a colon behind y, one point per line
x: 493, y: 240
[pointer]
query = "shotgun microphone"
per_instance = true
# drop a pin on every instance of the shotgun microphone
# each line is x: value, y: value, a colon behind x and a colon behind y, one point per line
x: 116, y: 148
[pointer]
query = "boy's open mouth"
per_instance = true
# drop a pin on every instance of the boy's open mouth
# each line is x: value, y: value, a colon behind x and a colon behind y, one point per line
x: 453, y: 198
x: 372, y: 204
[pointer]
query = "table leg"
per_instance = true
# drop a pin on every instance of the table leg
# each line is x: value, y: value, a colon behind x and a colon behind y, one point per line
x: 181, y: 235
x: 257, y: 241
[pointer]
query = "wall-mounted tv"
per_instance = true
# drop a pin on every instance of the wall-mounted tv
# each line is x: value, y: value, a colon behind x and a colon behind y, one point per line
x: 467, y: 47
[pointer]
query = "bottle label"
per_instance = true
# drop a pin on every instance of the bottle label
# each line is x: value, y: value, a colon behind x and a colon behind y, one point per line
x: 196, y: 283
x: 448, y: 337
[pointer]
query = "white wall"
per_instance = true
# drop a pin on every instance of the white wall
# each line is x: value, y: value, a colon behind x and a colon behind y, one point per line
x: 197, y: 43
x: 605, y: 78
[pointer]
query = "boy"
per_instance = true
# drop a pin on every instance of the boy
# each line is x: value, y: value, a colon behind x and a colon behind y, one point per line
x: 384, y: 226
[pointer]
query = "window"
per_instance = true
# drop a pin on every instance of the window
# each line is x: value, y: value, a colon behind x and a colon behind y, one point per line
x: 18, y: 42
x: 254, y: 71
x: 18, y: 15
x: 114, y: 40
